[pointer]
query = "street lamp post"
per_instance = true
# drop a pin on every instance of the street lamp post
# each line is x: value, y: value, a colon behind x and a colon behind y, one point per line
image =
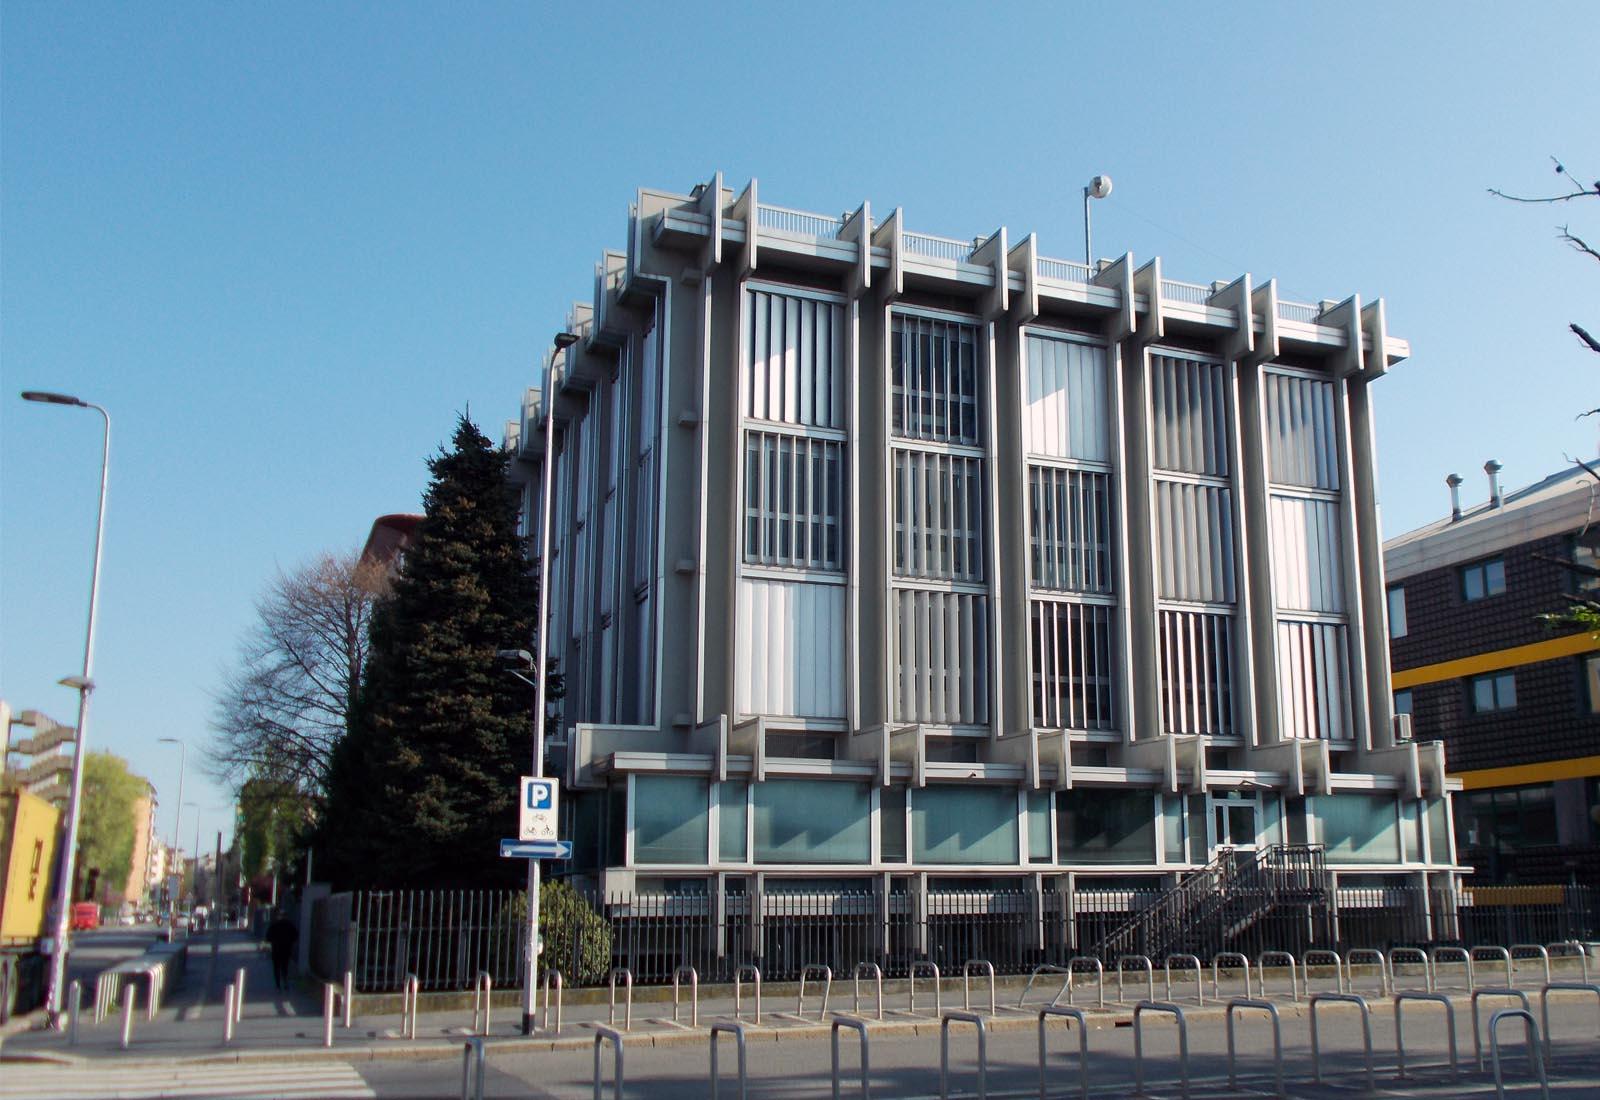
x: 85, y: 687
x: 177, y: 813
x: 561, y: 342
x: 194, y: 879
x: 1097, y: 188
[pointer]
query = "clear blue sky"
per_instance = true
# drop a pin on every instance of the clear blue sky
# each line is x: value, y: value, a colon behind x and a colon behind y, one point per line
x: 285, y: 244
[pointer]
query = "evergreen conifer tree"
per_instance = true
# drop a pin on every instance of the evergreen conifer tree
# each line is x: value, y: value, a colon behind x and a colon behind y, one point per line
x: 424, y: 784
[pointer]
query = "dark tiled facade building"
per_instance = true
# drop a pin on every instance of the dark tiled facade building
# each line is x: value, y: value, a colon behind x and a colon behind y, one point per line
x: 1516, y: 701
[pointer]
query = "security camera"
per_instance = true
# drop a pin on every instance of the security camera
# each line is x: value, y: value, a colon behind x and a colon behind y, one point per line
x: 1100, y: 187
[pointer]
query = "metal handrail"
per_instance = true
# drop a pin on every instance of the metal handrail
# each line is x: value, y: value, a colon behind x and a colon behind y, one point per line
x: 1394, y: 965
x: 1539, y: 950
x: 1368, y: 955
x: 860, y: 1028
x: 1199, y: 976
x: 1322, y: 953
x: 482, y: 1000
x: 1099, y: 977
x: 544, y: 1021
x: 409, y: 1006
x: 944, y: 1051
x: 1530, y: 1034
x: 1236, y: 1003
x: 1083, y: 1047
x: 1500, y: 953
x: 1400, y: 1028
x: 1150, y: 973
x: 1138, y: 1042
x: 1466, y: 957
x: 1366, y: 1031
x: 911, y: 986
x: 1576, y: 948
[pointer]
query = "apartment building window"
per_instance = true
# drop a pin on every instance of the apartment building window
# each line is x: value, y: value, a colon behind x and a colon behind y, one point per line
x: 1071, y: 648
x: 1069, y: 529
x: 1306, y: 535
x: 1492, y: 692
x: 1194, y: 532
x: 1397, y: 612
x: 1483, y: 579
x: 1402, y: 701
x: 939, y: 603
x: 1507, y: 819
x: 791, y: 601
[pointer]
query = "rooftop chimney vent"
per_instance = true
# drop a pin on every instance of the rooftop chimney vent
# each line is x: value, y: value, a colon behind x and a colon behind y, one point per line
x: 1492, y: 468
x: 1454, y: 481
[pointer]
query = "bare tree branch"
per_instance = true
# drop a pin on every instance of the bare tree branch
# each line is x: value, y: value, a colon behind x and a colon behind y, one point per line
x: 1577, y: 243
x: 1584, y: 190
x: 1594, y: 345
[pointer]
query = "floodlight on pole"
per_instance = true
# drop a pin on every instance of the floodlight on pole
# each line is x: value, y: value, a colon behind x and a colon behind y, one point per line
x: 1097, y: 188
x: 541, y: 671
x: 84, y: 685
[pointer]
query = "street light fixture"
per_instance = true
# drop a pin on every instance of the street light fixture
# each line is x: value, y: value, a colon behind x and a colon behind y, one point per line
x: 561, y: 342
x: 84, y: 685
x: 1098, y: 188
x: 177, y: 815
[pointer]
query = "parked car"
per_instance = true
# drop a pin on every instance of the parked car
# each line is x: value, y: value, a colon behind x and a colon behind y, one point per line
x: 85, y: 916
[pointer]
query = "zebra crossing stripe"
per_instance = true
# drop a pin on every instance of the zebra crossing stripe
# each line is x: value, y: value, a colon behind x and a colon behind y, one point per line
x: 337, y: 1081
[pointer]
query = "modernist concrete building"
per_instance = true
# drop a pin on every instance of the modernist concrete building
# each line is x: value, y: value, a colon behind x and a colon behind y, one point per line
x: 907, y: 564
x: 1515, y: 702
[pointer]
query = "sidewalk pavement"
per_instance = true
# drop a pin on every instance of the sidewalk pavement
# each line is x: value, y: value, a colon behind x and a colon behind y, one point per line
x: 290, y: 1026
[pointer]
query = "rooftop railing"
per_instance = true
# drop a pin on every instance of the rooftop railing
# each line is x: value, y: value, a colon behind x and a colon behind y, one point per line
x: 1298, y: 311
x: 798, y: 222
x: 941, y: 248
x: 1193, y: 293
x: 1065, y: 270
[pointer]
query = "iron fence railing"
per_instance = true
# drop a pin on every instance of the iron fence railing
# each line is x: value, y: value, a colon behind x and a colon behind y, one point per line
x: 447, y: 937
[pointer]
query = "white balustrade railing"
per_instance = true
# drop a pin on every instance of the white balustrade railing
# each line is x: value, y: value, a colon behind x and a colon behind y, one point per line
x: 797, y: 222
x: 941, y: 248
x: 1065, y: 270
x: 1298, y: 311
x: 1193, y: 293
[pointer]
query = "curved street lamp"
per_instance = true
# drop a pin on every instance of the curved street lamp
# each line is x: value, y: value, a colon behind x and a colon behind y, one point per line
x: 84, y: 685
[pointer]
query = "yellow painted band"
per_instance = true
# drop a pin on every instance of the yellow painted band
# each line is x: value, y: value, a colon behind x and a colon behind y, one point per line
x: 1568, y: 646
x: 1580, y: 767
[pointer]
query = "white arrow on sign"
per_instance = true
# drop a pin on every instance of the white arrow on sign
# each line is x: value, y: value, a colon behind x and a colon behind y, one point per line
x: 536, y: 849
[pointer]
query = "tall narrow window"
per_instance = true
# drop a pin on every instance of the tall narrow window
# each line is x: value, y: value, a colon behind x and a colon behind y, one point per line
x: 940, y: 609
x: 791, y: 598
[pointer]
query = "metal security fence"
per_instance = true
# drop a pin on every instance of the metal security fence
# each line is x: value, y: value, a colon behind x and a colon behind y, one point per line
x: 447, y: 938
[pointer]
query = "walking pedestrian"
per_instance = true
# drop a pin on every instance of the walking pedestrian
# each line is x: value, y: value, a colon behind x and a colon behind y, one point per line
x: 282, y: 936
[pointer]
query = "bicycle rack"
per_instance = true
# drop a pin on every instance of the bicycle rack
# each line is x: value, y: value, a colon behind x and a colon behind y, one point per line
x: 408, y: 1010
x: 1539, y: 951
x: 627, y: 983
x: 1366, y: 1031
x: 860, y: 1028
x: 985, y: 967
x: 736, y: 1029
x: 482, y: 1001
x: 877, y: 981
x: 1216, y: 972
x: 1150, y: 974
x: 350, y: 1000
x: 1199, y: 976
x: 1099, y: 977
x: 601, y: 1035
x: 472, y: 1069
x: 1319, y: 954
x: 1395, y: 953
x: 944, y: 1052
x: 827, y: 987
x: 1368, y: 955
x: 238, y: 985
x: 1400, y: 1028
x: 1083, y: 1047
x: 130, y: 997
x: 1460, y: 952
x: 694, y: 998
x: 1277, y: 1038
x: 1046, y: 969
x: 544, y: 1012
x: 228, y: 1006
x: 1497, y: 952
x: 1544, y: 1003
x: 754, y: 972
x: 330, y: 994
x: 1570, y: 948
x: 1530, y: 1033
x: 1277, y: 956
x: 911, y: 985
x: 1138, y: 1042
x: 1477, y: 1035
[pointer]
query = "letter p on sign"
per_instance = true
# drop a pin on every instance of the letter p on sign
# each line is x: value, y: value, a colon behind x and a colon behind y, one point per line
x: 538, y: 806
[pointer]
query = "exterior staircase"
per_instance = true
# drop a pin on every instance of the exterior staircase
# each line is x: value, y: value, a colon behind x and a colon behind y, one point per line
x: 1217, y: 907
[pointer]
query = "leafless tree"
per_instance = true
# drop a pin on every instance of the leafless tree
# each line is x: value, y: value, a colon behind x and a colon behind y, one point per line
x: 1564, y: 233
x: 282, y: 707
